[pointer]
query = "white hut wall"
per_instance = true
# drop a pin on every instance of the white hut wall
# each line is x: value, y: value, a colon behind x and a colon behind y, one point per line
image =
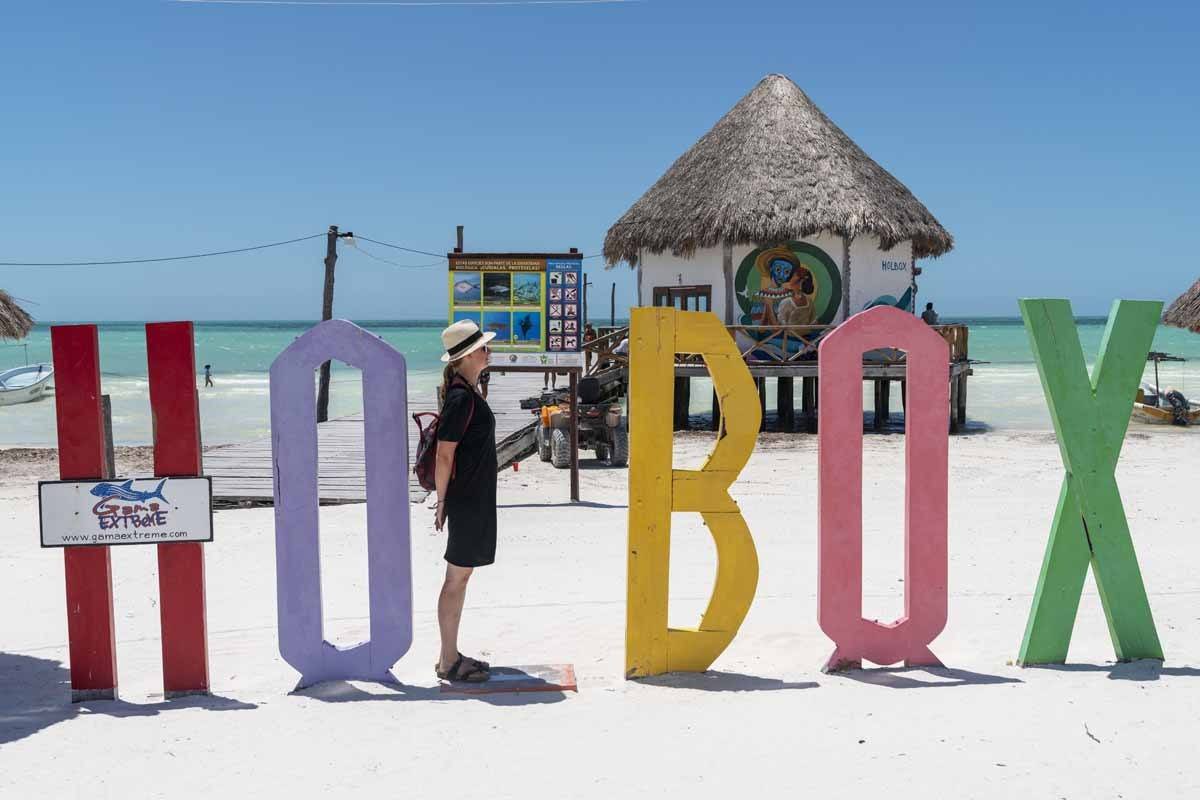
x: 878, y: 276
x: 702, y: 269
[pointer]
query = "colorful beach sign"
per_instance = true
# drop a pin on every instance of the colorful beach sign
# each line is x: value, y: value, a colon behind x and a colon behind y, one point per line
x: 533, y: 302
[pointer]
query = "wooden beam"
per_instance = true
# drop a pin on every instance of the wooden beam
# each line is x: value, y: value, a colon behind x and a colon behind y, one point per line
x: 90, y: 631
x: 171, y: 356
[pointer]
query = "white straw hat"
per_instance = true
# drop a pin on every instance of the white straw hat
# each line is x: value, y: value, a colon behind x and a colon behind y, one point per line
x: 463, y: 338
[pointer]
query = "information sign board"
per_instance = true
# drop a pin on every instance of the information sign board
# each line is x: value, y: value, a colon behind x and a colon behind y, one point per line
x: 130, y: 511
x: 533, y: 303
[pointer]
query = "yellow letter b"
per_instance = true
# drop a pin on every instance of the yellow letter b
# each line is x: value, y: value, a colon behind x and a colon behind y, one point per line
x: 655, y: 490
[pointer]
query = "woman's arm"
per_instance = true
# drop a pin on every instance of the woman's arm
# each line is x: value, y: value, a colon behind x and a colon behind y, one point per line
x: 441, y: 478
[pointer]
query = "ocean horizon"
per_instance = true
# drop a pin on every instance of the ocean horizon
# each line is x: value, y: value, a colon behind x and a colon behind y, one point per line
x: 1004, y: 393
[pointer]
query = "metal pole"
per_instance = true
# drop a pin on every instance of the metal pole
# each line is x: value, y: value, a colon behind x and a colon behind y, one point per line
x: 574, y: 435
x: 845, y: 278
x: 612, y: 306
x: 327, y: 314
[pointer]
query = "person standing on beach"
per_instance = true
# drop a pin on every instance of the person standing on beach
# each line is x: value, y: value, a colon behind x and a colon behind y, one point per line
x: 929, y: 316
x: 589, y: 336
x: 207, y: 375
x: 465, y: 480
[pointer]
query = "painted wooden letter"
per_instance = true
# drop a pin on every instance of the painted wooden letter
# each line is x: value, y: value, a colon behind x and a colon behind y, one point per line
x: 655, y: 490
x: 297, y: 554
x: 926, y: 445
x: 1090, y: 418
x: 93, y: 649
x: 171, y: 356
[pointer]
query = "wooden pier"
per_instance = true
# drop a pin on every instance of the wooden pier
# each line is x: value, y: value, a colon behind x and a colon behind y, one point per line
x: 242, y: 472
x: 881, y: 369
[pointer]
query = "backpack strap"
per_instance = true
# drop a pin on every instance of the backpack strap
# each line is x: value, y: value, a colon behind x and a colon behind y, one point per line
x: 467, y: 427
x: 471, y: 412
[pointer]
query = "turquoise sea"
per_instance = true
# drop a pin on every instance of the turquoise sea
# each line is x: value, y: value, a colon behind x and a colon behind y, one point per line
x: 1004, y: 392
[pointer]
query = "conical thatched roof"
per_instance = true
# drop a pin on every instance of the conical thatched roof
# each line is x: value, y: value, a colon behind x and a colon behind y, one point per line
x: 1185, y: 311
x: 14, y: 322
x: 774, y: 168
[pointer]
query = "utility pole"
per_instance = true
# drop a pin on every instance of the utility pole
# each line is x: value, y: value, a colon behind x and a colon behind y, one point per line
x: 327, y: 314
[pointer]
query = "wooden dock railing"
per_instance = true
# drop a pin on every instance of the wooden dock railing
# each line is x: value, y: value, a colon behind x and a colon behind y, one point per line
x: 772, y: 346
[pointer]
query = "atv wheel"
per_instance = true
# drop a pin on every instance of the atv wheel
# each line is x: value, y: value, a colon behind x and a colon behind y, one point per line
x: 543, y: 443
x: 560, y: 448
x: 620, y: 446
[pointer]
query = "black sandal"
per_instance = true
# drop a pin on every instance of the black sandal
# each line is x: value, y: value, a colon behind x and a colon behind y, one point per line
x: 462, y: 671
x: 483, y: 665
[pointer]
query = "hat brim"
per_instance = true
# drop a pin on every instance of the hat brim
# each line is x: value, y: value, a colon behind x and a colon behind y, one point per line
x: 487, y: 337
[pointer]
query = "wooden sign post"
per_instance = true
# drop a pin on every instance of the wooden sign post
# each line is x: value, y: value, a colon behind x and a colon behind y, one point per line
x: 93, y: 650
x: 1090, y: 415
x: 175, y: 410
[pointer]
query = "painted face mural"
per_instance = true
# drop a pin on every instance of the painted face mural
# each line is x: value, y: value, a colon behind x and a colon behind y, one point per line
x: 789, y: 284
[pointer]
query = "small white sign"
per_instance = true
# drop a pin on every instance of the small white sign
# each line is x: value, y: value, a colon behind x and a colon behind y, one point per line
x: 499, y: 361
x: 129, y: 511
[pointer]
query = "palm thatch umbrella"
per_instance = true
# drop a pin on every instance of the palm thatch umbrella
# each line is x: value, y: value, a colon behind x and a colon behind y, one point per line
x: 14, y: 322
x: 774, y: 168
x: 1185, y: 311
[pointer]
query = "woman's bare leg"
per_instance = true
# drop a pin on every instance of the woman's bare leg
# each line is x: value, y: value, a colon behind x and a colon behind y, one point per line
x: 450, y: 606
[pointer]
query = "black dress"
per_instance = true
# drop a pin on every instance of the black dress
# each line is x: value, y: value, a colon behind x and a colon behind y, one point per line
x: 471, y: 495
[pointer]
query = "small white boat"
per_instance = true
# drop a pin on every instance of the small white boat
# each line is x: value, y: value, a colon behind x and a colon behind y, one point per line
x: 1153, y: 408
x: 24, y: 384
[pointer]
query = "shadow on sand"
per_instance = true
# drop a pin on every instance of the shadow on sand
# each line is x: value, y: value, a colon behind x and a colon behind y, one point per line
x: 902, y: 678
x: 35, y: 693
x: 565, y: 504
x: 346, y: 692
x: 713, y: 681
x: 1143, y: 670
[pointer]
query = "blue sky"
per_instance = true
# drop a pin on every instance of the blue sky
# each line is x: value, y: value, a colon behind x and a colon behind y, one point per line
x: 1058, y: 145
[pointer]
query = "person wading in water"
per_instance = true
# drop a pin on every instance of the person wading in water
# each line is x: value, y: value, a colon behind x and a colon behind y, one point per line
x: 466, y: 488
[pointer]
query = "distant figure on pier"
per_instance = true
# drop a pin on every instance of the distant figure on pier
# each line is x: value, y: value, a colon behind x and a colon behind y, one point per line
x: 589, y: 335
x: 208, y: 376
x: 929, y: 316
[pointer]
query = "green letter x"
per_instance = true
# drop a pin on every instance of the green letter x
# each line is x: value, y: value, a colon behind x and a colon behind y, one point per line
x: 1090, y: 418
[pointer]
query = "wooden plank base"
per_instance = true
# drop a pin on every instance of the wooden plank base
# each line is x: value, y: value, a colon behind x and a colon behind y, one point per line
x: 520, y: 680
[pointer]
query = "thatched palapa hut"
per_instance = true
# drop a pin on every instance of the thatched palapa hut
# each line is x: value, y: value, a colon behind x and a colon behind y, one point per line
x: 780, y: 217
x: 1185, y: 311
x: 14, y: 322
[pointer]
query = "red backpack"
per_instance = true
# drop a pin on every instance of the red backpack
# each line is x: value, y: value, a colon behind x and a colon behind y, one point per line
x: 425, y: 464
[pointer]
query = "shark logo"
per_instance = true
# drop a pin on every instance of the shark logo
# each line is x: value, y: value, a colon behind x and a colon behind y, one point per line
x: 125, y: 491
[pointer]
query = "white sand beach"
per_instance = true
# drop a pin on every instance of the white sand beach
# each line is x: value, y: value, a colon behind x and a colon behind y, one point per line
x: 765, y: 719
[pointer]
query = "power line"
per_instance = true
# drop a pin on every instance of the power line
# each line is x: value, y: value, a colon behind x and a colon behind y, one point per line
x: 399, y: 247
x: 353, y: 243
x: 155, y: 260
x: 409, y: 3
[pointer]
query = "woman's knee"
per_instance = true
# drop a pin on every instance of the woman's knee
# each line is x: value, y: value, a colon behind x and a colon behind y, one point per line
x: 457, y: 577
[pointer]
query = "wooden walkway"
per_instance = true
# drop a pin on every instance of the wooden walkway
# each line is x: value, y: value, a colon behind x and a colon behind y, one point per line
x: 242, y: 472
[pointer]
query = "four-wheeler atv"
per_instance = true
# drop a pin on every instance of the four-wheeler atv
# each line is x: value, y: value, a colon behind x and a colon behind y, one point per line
x: 602, y: 429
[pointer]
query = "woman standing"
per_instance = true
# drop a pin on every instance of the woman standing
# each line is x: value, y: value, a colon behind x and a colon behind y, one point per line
x: 465, y: 479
